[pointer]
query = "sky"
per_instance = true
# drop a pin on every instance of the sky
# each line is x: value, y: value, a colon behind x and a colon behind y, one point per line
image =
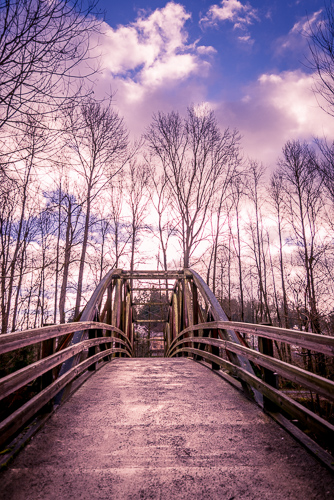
x: 247, y: 60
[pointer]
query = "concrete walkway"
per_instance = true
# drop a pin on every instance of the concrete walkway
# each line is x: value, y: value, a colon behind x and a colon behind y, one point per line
x: 162, y: 429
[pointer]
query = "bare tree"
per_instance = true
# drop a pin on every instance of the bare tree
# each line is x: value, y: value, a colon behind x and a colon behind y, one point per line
x: 238, y: 191
x: 21, y: 168
x: 167, y: 221
x: 195, y: 157
x: 304, y: 204
x: 137, y: 199
x: 99, y: 141
x: 256, y: 173
x: 321, y: 40
x: 121, y: 236
x: 276, y: 191
x: 325, y: 166
x: 41, y: 44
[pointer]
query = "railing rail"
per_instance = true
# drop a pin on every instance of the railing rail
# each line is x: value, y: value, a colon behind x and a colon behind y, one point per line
x: 199, y: 328
x: 86, y: 348
x: 11, y: 341
x: 311, y: 341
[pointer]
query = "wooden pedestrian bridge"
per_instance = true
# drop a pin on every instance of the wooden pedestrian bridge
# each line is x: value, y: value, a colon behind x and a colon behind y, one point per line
x: 153, y: 393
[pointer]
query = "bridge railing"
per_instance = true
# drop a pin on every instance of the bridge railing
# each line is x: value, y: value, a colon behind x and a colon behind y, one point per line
x: 214, y: 350
x: 199, y: 328
x: 103, y: 341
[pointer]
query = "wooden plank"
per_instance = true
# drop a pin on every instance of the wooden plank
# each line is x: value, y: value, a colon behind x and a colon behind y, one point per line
x: 149, y: 321
x: 152, y: 274
x: 152, y: 339
x: 151, y: 289
x: 163, y: 303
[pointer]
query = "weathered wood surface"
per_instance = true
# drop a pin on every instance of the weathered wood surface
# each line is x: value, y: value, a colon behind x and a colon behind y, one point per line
x: 314, y: 382
x: 17, y: 340
x: 284, y: 402
x: 162, y: 428
x: 312, y: 341
x: 19, y: 417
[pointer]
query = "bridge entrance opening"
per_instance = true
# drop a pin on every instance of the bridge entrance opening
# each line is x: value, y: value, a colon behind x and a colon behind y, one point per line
x: 151, y: 297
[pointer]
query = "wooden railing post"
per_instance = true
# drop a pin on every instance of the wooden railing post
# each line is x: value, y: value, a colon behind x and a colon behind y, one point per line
x: 48, y: 348
x: 266, y: 347
x: 92, y: 334
x: 195, y: 316
x: 215, y: 349
x: 116, y: 310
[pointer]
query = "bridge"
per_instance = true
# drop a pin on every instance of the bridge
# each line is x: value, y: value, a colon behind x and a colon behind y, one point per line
x: 211, y: 411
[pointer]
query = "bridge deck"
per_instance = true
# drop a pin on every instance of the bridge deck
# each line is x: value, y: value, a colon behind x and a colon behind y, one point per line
x: 162, y: 429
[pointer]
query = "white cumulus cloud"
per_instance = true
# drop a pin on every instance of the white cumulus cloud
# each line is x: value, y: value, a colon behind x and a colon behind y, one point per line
x: 276, y: 108
x: 153, y: 50
x: 234, y: 11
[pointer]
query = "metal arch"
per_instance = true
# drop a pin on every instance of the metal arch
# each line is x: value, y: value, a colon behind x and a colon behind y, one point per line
x: 218, y: 314
x: 90, y: 313
x: 90, y: 309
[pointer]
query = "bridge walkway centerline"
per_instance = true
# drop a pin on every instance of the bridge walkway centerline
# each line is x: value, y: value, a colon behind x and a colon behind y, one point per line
x: 162, y: 428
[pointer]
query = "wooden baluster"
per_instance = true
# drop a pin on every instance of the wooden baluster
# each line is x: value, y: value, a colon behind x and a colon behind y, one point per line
x: 215, y: 349
x: 268, y: 376
x: 92, y: 334
x: 48, y: 348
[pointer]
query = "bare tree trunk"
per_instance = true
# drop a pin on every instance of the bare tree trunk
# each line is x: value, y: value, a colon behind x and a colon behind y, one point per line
x: 67, y: 256
x: 83, y: 254
x: 57, y: 256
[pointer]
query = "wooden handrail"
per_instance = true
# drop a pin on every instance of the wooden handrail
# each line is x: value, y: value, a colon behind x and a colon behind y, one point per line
x: 312, y: 341
x: 22, y: 377
x: 310, y: 380
x: 11, y: 341
x: 284, y: 402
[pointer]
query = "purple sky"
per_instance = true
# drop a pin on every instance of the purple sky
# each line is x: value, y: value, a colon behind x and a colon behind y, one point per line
x: 247, y: 60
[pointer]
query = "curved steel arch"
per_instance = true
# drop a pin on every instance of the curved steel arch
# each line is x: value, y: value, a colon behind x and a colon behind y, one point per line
x: 214, y: 312
x: 91, y: 312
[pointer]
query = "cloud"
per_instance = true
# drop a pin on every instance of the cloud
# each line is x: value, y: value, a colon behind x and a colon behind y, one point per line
x: 202, y: 49
x: 153, y: 51
x: 276, y: 108
x: 230, y: 10
x: 303, y: 25
x: 296, y: 41
x: 246, y: 39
